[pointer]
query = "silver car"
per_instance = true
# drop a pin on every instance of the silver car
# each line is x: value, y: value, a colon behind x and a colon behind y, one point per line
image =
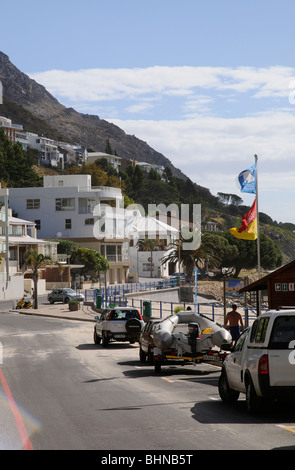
x: 64, y: 295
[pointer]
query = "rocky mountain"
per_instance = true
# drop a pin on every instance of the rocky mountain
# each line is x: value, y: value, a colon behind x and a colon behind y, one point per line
x: 82, y: 129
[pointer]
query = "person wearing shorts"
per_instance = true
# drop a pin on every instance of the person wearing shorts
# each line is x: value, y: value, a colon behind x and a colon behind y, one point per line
x: 235, y: 322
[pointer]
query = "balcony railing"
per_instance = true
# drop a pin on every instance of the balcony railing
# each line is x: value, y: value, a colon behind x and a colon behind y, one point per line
x: 117, y: 258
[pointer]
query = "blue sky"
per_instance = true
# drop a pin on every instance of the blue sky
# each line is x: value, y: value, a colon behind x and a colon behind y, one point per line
x: 207, y: 83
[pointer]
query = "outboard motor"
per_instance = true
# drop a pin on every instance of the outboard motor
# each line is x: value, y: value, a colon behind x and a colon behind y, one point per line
x: 193, y: 333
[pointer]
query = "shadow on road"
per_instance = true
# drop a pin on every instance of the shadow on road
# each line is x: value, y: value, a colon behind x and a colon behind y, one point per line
x: 217, y: 412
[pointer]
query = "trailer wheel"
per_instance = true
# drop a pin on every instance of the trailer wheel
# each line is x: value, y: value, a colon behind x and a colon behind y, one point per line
x: 158, y: 367
x: 142, y: 355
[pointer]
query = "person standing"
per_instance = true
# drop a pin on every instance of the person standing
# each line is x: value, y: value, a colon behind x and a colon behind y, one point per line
x: 235, y: 322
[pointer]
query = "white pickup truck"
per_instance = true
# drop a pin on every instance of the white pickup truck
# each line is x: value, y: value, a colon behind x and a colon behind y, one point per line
x: 262, y: 362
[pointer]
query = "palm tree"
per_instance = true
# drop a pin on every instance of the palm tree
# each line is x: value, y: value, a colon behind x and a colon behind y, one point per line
x: 148, y: 245
x: 196, y: 257
x: 36, y: 261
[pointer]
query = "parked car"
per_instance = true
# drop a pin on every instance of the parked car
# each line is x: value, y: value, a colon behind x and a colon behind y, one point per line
x: 178, y: 275
x: 146, y: 342
x: 64, y: 295
x: 262, y: 363
x: 118, y: 324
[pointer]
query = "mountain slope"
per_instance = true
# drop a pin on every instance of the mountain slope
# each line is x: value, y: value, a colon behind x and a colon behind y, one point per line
x: 82, y: 129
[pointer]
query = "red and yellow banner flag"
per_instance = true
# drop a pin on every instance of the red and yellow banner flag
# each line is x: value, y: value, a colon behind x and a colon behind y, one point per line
x: 248, y: 229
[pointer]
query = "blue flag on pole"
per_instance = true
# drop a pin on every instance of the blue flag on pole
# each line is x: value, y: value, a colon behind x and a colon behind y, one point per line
x: 247, y: 180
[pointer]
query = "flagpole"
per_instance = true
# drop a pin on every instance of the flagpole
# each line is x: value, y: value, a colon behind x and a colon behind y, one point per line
x: 258, y: 241
x: 257, y: 217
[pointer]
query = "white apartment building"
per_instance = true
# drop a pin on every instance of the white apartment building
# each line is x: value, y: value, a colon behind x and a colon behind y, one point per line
x: 68, y: 207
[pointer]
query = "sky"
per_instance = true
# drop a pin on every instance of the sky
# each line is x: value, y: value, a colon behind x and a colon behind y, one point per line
x: 209, y: 84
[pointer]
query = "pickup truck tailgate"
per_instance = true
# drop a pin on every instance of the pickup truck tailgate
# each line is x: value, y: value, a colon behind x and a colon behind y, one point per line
x: 282, y: 352
x: 282, y: 368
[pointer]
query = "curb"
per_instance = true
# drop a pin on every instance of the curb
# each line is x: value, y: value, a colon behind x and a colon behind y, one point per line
x: 52, y: 315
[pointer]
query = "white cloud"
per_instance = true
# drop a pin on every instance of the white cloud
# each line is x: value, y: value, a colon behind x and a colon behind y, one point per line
x: 117, y: 84
x: 213, y: 151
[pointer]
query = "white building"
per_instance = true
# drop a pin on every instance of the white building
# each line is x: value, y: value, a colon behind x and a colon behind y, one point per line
x: 48, y: 148
x: 113, y: 160
x: 146, y: 167
x: 68, y: 207
x: 145, y: 263
x: 21, y: 237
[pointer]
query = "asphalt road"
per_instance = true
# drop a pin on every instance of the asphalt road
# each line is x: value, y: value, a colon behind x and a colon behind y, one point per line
x: 60, y: 391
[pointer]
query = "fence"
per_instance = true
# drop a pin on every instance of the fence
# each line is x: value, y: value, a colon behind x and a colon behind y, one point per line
x: 161, y: 309
x: 123, y: 289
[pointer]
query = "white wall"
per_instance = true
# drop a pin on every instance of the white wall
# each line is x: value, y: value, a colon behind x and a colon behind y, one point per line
x: 15, y: 290
x: 82, y: 181
x: 140, y: 261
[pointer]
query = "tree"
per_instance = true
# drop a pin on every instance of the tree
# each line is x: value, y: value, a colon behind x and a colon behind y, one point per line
x: 36, y: 261
x: 66, y: 247
x: 202, y: 256
x: 108, y: 147
x: 148, y: 245
x: 92, y: 260
x: 270, y: 255
x: 16, y: 165
x: 227, y: 253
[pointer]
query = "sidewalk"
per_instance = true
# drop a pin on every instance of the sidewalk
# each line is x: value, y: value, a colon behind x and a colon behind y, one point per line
x: 45, y: 309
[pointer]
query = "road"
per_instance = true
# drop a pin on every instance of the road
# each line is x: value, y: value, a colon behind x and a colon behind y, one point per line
x: 60, y: 391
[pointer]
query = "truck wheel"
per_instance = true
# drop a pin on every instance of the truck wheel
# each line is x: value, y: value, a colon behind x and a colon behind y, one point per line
x: 252, y: 401
x: 96, y: 338
x: 105, y: 340
x: 227, y: 394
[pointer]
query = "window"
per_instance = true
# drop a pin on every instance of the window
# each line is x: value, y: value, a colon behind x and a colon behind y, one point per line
x: 283, y: 332
x: 13, y: 253
x: 65, y: 204
x: 111, y: 253
x: 33, y: 203
x: 38, y: 224
x: 16, y: 230
x: 259, y: 330
x: 68, y: 223
x: 86, y: 205
x: 89, y: 221
x: 240, y: 342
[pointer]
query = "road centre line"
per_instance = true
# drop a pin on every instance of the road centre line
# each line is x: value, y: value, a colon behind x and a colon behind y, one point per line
x: 27, y: 445
x: 287, y: 428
